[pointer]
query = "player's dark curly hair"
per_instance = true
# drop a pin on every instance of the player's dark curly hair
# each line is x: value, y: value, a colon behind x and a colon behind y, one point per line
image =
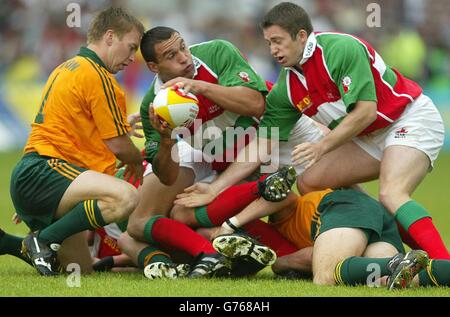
x: 288, y: 16
x: 151, y: 38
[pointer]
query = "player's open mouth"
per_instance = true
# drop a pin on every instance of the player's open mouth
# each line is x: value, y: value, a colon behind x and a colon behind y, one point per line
x: 281, y: 60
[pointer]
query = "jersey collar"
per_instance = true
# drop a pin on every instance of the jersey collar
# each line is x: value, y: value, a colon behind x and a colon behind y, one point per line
x: 86, y: 52
x: 310, y: 47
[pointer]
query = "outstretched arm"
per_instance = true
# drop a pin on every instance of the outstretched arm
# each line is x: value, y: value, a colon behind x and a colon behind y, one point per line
x: 201, y: 194
x: 298, y: 261
x: 258, y: 209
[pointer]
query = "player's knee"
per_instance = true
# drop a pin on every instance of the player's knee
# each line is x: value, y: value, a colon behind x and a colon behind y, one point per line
x: 391, y: 197
x: 323, y: 278
x: 135, y: 228
x: 123, y: 241
x: 183, y: 215
x: 127, y: 202
x: 305, y: 184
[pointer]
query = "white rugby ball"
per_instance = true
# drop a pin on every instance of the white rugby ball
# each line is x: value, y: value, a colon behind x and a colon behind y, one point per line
x: 176, y: 107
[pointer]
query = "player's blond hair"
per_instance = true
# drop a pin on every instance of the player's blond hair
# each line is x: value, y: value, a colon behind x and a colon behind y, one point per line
x: 116, y: 19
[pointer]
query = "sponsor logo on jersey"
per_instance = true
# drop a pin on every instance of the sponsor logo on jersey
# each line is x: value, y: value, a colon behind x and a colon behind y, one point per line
x: 304, y: 103
x: 111, y: 243
x: 153, y: 144
x: 308, y: 50
x: 401, y: 133
x: 196, y: 63
x: 213, y: 109
x: 244, y: 76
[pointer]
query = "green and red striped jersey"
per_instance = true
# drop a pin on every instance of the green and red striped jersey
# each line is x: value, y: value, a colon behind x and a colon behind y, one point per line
x: 218, y: 62
x: 337, y: 71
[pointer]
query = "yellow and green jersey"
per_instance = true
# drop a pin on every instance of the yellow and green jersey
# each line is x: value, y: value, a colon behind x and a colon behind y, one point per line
x: 81, y: 106
x: 303, y: 220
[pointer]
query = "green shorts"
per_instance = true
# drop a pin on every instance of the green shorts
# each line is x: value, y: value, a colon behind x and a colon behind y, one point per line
x: 349, y: 208
x: 38, y: 184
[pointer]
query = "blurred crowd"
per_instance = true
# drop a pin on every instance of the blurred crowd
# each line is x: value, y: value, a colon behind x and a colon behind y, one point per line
x: 414, y: 35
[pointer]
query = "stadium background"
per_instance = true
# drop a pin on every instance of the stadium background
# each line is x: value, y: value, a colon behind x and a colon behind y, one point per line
x: 34, y: 38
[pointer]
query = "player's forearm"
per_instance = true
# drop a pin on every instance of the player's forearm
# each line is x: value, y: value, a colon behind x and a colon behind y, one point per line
x: 242, y: 100
x: 353, y: 124
x: 299, y: 261
x: 124, y: 149
x: 163, y: 165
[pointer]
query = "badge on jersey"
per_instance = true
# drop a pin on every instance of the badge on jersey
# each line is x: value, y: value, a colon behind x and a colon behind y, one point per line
x: 244, y: 76
x: 346, y: 82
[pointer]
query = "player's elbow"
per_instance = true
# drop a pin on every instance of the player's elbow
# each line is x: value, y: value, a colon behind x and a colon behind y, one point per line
x: 166, y: 170
x: 259, y: 107
x: 253, y: 106
x: 367, y: 111
x: 372, y: 116
x: 167, y: 178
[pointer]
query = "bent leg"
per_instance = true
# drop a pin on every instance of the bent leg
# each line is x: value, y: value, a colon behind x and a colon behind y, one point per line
x: 116, y: 198
x: 333, y: 246
x: 437, y: 273
x: 380, y: 249
x: 140, y: 253
x: 367, y: 270
x: 402, y: 170
x: 345, y: 166
x: 75, y: 249
x: 156, y: 199
x: 91, y: 201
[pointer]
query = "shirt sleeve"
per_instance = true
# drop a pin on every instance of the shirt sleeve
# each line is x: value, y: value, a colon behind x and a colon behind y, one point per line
x: 234, y: 70
x: 109, y: 115
x: 280, y: 115
x: 349, y: 65
x: 152, y: 137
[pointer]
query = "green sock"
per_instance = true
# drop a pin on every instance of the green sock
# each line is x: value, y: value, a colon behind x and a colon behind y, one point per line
x: 11, y: 245
x: 149, y: 227
x: 151, y: 255
x: 84, y: 216
x: 201, y: 215
x: 437, y: 273
x: 359, y: 270
x: 409, y: 213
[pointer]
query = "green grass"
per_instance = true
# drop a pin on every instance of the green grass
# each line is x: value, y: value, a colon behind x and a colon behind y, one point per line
x: 18, y: 279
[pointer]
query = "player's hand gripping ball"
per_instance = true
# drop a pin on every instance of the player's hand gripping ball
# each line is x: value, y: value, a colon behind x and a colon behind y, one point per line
x: 176, y: 107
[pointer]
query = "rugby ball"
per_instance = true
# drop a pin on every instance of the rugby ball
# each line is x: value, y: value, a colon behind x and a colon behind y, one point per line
x: 176, y: 107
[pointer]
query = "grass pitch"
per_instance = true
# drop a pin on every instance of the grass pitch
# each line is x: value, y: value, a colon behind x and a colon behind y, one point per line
x: 18, y: 279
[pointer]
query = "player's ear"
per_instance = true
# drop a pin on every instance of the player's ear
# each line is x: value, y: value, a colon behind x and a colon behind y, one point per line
x: 153, y: 67
x: 302, y: 36
x: 108, y: 37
